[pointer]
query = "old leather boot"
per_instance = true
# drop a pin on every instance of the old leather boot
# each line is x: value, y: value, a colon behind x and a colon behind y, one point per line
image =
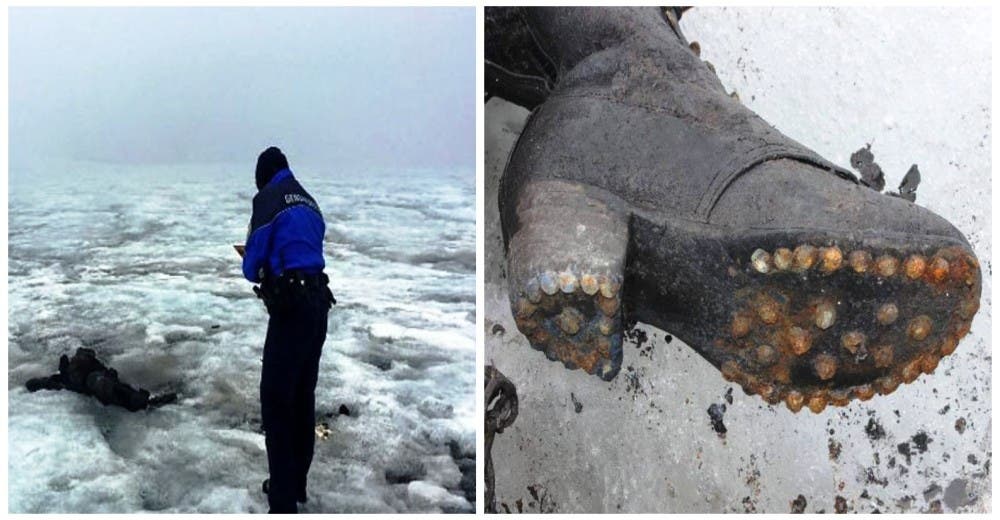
x: 640, y: 191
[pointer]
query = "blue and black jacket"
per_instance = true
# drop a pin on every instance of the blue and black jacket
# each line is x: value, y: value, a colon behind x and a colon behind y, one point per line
x: 286, y: 230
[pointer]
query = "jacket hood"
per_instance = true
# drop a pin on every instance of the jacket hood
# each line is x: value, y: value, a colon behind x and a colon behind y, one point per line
x: 269, y: 163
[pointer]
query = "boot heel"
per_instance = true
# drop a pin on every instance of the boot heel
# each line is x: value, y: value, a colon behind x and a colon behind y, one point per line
x: 566, y: 263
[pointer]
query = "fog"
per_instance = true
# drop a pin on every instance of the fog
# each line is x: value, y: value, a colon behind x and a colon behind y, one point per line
x: 373, y: 87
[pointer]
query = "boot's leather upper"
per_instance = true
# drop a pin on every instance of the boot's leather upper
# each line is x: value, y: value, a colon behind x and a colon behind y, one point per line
x: 637, y: 113
x: 640, y: 115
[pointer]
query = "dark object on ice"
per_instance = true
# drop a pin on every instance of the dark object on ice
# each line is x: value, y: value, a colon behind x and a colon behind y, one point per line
x: 908, y: 188
x: 85, y: 374
x: 640, y: 191
x: 958, y: 494
x: 343, y: 410
x: 380, y: 362
x: 466, y: 462
x: 834, y: 449
x: 284, y: 253
x: 871, y: 173
x: 541, y: 499
x: 904, y: 449
x: 874, y: 430
x: 404, y: 472
x: 872, y: 176
x: 716, y: 412
x: 920, y: 441
x: 501, y: 410
x: 840, y: 505
x: 468, y: 482
x: 799, y: 505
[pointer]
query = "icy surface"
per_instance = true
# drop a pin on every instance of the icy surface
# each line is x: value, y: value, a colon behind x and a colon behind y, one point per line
x: 137, y: 263
x: 916, y: 84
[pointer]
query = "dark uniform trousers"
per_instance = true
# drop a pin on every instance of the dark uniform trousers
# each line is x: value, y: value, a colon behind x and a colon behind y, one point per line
x: 295, y: 335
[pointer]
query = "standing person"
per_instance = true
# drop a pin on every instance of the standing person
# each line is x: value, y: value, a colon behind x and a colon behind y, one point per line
x: 284, y: 253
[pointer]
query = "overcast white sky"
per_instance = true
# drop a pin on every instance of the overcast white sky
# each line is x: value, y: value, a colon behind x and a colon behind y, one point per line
x: 365, y: 87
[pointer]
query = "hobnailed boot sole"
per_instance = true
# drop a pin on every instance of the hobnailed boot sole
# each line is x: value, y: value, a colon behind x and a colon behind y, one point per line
x: 566, y: 283
x: 797, y: 316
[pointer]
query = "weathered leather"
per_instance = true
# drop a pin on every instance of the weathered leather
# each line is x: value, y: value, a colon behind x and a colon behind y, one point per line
x: 640, y: 191
x: 637, y: 113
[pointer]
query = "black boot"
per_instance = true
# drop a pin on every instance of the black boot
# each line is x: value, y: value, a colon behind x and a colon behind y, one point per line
x: 640, y: 191
x: 53, y: 382
x: 163, y: 399
x: 266, y: 486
